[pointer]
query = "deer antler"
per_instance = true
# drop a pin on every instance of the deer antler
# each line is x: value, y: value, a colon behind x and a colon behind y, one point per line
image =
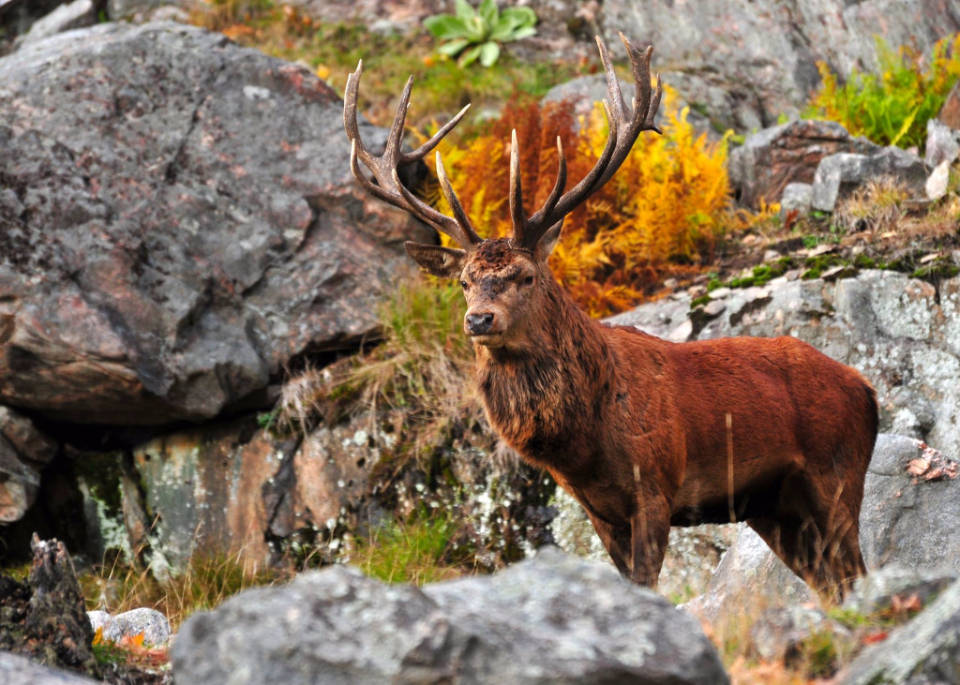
x: 625, y: 126
x: 384, y: 168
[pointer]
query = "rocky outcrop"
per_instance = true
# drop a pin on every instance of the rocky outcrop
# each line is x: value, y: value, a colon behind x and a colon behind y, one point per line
x: 554, y: 618
x: 24, y: 451
x: 241, y: 489
x: 748, y: 63
x: 177, y: 222
x: 775, y: 157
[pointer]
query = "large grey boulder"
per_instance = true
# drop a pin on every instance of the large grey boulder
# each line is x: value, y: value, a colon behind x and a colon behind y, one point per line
x: 749, y: 62
x: 554, y: 618
x: 924, y: 651
x: 911, y: 506
x: 177, y: 222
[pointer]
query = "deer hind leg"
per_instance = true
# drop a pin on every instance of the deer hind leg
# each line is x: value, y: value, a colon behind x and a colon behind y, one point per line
x: 815, y: 532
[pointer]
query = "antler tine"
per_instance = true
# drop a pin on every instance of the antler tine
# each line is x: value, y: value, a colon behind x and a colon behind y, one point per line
x: 560, y: 183
x: 625, y: 126
x: 388, y: 186
x: 425, y: 149
x: 454, y: 201
x: 516, y: 193
x: 395, y: 135
x: 640, y: 66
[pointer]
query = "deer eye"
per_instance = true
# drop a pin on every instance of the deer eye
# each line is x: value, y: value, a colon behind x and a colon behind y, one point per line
x: 463, y: 284
x: 528, y: 280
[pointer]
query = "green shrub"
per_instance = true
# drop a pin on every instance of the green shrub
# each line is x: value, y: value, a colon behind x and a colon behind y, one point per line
x: 891, y: 108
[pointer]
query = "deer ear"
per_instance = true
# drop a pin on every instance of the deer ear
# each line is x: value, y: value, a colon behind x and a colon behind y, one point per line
x: 439, y: 261
x: 547, y: 242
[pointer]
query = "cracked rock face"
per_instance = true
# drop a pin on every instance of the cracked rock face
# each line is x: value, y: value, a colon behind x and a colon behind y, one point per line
x: 177, y: 221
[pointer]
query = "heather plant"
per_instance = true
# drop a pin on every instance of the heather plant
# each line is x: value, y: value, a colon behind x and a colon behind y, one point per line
x: 891, y: 108
x: 662, y: 213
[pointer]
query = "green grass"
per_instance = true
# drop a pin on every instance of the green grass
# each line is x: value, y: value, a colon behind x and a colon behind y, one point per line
x: 417, y: 551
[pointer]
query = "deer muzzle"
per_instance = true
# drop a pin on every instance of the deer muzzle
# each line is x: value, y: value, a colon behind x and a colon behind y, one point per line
x: 478, y: 324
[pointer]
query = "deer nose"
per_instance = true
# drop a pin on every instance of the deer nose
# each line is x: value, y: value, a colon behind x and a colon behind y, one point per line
x: 478, y: 324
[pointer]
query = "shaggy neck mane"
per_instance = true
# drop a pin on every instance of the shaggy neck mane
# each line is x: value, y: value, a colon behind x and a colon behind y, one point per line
x: 538, y: 398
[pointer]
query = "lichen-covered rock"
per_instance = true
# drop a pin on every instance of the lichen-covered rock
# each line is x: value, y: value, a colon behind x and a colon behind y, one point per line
x: 878, y: 590
x: 777, y: 633
x: 177, y: 222
x: 942, y: 144
x: 554, y: 618
x: 237, y: 488
x: 924, y: 651
x: 911, y: 506
x: 146, y: 622
x: 796, y: 197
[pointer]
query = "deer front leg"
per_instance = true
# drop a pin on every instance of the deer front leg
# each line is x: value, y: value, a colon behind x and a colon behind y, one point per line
x: 615, y: 540
x: 650, y: 529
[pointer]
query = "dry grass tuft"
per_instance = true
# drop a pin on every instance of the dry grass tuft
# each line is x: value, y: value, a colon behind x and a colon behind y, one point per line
x: 879, y: 205
x: 116, y: 587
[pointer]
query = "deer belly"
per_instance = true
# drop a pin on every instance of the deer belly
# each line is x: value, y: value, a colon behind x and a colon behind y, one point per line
x: 723, y: 490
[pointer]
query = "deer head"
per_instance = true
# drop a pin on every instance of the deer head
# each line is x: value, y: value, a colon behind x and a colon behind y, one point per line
x: 504, y: 280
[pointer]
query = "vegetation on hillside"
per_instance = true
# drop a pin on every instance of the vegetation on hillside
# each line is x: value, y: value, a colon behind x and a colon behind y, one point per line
x: 333, y: 51
x: 892, y: 107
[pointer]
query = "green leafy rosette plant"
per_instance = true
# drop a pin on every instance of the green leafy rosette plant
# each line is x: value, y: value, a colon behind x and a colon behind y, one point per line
x: 477, y: 33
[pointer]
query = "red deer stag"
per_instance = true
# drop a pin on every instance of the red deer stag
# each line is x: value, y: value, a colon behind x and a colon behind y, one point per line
x: 644, y: 433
